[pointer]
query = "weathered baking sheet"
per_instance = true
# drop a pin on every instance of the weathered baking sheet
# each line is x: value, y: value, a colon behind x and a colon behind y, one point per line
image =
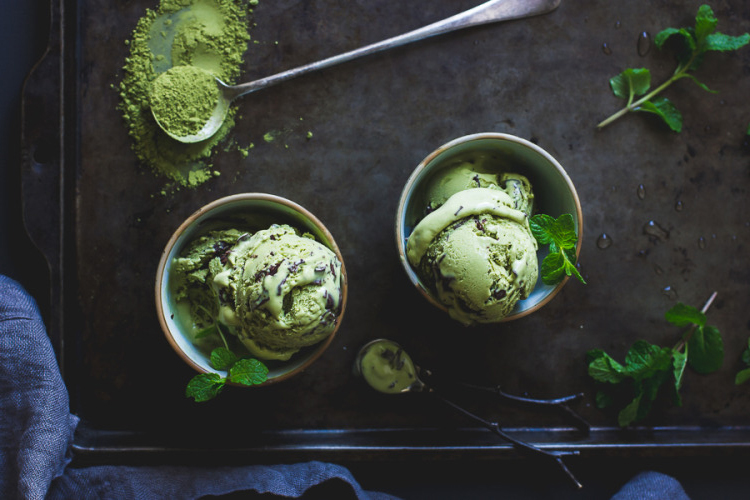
x: 102, y: 221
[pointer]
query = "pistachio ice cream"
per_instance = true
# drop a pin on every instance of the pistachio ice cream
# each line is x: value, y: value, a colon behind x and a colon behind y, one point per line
x: 276, y: 290
x: 474, y: 248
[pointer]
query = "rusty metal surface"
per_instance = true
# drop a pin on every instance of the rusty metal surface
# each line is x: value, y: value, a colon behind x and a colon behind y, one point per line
x: 543, y: 79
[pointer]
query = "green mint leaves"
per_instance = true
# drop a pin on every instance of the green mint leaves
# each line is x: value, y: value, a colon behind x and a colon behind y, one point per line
x: 744, y: 375
x: 691, y: 46
x: 246, y: 371
x: 560, y: 234
x: 647, y: 367
x: 205, y: 386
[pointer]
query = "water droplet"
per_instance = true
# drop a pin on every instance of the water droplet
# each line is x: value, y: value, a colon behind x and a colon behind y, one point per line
x: 654, y: 229
x: 604, y: 241
x: 606, y: 49
x: 701, y: 242
x: 644, y: 43
x: 669, y: 292
x: 658, y: 270
x: 678, y: 205
x: 641, y: 191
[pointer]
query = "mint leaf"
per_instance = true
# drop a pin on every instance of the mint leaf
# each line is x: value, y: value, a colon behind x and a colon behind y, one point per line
x: 706, y: 349
x: 629, y: 414
x: 705, y: 23
x: 222, y: 358
x: 606, y: 369
x: 631, y: 82
x: 204, y: 386
x: 725, y: 43
x: 561, y: 236
x: 553, y: 268
x: 742, y: 376
x: 248, y: 372
x: 679, y: 362
x: 746, y: 353
x: 643, y: 360
x: 542, y: 227
x: 663, y: 107
x: 682, y: 315
x: 685, y: 36
x: 594, y: 354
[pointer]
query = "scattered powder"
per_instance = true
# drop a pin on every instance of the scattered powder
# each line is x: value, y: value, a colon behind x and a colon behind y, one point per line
x: 208, y: 34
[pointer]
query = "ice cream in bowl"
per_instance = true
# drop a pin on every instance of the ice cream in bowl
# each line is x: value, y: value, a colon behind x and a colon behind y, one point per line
x: 251, y: 277
x: 474, y: 225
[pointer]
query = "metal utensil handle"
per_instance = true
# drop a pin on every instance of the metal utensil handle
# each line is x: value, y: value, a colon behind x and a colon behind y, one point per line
x: 488, y: 12
x: 556, y: 456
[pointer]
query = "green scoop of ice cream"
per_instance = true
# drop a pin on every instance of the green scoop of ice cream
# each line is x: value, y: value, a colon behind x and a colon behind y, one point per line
x: 478, y: 174
x: 477, y: 254
x: 280, y: 291
x: 276, y: 290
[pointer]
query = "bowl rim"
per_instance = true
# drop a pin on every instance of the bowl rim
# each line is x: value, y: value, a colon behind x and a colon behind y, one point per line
x: 161, y: 282
x: 416, y: 175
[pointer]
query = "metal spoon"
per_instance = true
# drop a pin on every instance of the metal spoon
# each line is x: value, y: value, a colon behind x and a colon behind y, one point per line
x: 387, y: 368
x: 488, y: 12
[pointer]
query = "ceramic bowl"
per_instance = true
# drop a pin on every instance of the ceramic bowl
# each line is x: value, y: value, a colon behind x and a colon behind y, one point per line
x: 256, y: 211
x: 554, y: 193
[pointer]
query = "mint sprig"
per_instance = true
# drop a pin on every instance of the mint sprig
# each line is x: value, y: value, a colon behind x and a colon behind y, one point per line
x: 744, y: 375
x: 560, y: 234
x: 694, y: 44
x: 246, y: 371
x: 638, y: 382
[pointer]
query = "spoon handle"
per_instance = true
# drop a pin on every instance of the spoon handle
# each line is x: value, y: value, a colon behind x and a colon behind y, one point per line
x: 561, y: 403
x: 494, y: 427
x: 488, y: 12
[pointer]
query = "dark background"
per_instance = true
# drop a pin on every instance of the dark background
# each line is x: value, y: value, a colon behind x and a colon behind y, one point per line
x: 24, y: 31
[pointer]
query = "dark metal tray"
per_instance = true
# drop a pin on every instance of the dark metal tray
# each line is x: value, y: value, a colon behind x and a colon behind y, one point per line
x: 102, y: 223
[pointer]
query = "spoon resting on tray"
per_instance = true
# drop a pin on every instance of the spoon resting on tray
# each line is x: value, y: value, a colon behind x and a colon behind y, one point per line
x: 387, y: 368
x: 488, y: 12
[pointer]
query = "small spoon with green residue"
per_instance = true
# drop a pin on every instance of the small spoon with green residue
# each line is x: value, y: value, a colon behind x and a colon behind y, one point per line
x: 488, y: 12
x: 387, y: 368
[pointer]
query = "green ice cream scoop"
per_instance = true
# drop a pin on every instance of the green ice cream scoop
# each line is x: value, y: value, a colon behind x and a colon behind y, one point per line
x: 480, y: 172
x: 477, y: 255
x: 280, y: 292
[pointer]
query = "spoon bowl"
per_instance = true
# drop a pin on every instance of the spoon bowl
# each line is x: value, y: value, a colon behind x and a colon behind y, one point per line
x: 226, y: 95
x: 387, y: 368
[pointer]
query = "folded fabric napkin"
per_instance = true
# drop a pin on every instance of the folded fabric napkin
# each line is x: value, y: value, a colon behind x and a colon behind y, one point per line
x: 36, y: 431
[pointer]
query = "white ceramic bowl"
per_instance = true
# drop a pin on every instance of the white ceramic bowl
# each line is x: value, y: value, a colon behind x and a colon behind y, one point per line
x: 554, y: 194
x: 263, y: 210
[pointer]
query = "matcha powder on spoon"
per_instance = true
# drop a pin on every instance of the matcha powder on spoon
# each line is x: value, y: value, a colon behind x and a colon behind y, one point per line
x: 208, y: 35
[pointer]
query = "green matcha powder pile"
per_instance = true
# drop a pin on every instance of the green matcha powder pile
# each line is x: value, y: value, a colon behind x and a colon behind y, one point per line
x: 208, y: 34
